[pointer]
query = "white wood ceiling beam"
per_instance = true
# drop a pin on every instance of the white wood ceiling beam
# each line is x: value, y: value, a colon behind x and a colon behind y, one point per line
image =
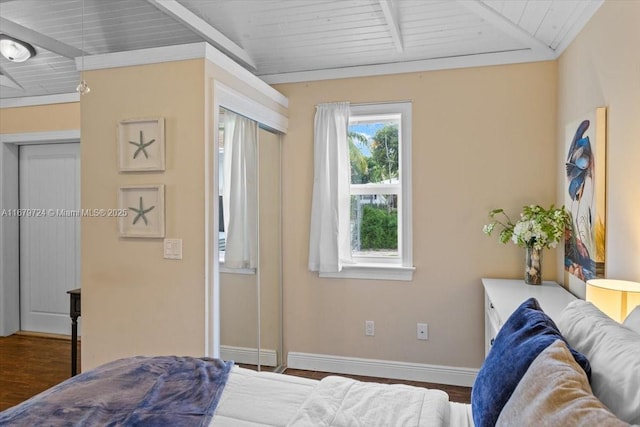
x: 7, y: 81
x: 30, y: 36
x: 204, y: 29
x: 390, y: 12
x: 503, y: 24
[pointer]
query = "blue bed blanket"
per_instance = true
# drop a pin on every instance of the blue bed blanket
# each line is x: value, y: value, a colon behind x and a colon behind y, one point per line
x: 137, y: 391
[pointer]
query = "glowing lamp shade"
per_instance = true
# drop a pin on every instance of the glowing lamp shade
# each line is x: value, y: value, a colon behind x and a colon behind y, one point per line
x: 15, y: 50
x: 616, y: 298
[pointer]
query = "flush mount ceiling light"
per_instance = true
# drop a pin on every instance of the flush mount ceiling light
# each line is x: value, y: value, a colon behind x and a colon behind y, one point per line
x: 15, y: 50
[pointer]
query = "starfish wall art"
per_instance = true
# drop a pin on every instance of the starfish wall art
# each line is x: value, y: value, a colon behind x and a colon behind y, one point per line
x: 144, y: 207
x: 141, y: 145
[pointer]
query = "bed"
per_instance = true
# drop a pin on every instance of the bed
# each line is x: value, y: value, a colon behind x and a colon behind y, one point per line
x: 585, y: 371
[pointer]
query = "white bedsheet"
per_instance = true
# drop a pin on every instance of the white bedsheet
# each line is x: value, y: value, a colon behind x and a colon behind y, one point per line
x: 264, y: 399
x: 343, y: 402
x: 252, y: 399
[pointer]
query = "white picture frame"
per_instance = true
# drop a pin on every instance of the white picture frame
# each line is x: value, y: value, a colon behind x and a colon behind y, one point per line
x: 141, y: 145
x: 144, y: 205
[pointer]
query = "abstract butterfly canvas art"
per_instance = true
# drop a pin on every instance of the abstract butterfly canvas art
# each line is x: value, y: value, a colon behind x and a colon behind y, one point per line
x: 584, y: 168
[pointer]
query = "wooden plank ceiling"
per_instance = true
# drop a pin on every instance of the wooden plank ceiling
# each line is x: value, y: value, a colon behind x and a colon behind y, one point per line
x: 289, y: 40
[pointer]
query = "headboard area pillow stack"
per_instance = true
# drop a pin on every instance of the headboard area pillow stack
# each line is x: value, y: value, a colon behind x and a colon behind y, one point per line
x: 583, y: 372
x: 613, y: 351
x: 526, y: 334
x: 555, y: 391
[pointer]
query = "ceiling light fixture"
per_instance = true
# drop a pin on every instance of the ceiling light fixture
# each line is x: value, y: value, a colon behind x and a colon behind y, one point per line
x: 15, y: 50
x: 82, y: 88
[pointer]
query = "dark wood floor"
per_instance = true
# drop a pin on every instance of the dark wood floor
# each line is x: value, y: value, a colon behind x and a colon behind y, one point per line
x: 31, y: 364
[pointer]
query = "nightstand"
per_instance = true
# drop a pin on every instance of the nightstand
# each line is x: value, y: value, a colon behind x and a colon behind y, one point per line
x: 503, y: 296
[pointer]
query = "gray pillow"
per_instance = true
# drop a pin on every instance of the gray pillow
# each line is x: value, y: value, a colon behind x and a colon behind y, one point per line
x: 555, y: 392
x: 633, y: 320
x: 612, y: 350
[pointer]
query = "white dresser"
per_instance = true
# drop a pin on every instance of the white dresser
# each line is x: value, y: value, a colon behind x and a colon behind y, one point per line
x: 503, y: 296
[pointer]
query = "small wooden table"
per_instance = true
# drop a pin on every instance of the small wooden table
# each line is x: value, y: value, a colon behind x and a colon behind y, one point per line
x: 74, y: 312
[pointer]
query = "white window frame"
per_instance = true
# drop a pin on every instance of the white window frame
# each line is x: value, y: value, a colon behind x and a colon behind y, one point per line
x: 388, y: 268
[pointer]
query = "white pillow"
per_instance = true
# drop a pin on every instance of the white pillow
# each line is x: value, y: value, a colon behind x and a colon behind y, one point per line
x: 633, y: 320
x: 613, y: 352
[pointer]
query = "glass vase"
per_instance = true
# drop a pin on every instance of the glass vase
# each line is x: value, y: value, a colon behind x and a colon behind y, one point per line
x: 533, y: 266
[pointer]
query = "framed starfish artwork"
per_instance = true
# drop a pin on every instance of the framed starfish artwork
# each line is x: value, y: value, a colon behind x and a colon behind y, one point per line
x: 144, y: 205
x: 141, y: 145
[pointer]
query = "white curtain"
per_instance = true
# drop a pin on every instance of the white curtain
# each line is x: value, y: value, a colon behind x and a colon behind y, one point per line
x: 329, y: 240
x: 239, y: 191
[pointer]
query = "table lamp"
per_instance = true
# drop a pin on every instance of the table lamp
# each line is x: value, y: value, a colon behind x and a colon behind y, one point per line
x: 616, y: 298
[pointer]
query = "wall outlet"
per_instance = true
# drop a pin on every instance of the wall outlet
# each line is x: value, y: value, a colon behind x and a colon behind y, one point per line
x: 423, y: 331
x: 369, y: 328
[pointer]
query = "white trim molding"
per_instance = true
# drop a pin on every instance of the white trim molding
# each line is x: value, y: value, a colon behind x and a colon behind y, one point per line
x: 438, y: 374
x: 48, y: 137
x: 372, y: 272
x: 235, y: 101
x: 28, y: 101
x: 180, y: 53
x: 448, y: 63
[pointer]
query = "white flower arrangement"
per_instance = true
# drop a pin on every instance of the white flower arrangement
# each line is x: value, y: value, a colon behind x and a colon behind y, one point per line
x: 537, y: 227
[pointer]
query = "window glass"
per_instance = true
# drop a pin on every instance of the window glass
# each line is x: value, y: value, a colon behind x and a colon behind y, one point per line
x: 374, y: 147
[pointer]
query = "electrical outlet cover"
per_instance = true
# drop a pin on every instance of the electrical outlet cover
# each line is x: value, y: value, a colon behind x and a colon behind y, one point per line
x: 369, y: 328
x: 422, y: 331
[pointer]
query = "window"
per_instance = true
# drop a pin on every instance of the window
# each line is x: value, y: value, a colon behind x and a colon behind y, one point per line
x: 380, y: 212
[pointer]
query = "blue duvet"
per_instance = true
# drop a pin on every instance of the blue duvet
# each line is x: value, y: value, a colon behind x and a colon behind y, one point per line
x: 137, y: 391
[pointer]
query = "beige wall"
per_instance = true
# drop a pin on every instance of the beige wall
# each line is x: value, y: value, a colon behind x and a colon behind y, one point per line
x: 135, y: 302
x: 40, y: 118
x: 601, y: 68
x: 482, y: 138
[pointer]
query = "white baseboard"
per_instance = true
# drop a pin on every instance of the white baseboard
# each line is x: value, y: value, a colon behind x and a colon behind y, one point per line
x: 249, y: 356
x: 383, y: 369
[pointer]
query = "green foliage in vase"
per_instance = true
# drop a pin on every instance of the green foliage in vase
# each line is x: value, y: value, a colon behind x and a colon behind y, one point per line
x: 537, y: 227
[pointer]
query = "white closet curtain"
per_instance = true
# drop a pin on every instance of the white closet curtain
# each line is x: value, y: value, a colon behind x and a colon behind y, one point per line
x: 329, y: 241
x: 239, y: 191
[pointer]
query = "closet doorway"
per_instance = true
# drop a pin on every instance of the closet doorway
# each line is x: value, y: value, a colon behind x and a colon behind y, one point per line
x: 249, y: 236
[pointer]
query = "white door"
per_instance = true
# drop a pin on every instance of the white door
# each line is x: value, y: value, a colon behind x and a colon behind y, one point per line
x: 49, y: 237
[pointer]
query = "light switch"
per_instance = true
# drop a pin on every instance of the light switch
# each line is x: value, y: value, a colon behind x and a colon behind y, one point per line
x: 173, y: 248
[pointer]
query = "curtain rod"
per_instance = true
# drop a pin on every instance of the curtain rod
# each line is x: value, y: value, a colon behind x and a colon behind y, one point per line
x: 363, y: 104
x: 381, y: 102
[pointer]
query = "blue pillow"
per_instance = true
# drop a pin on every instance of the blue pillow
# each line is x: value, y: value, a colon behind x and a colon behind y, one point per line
x: 526, y: 333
